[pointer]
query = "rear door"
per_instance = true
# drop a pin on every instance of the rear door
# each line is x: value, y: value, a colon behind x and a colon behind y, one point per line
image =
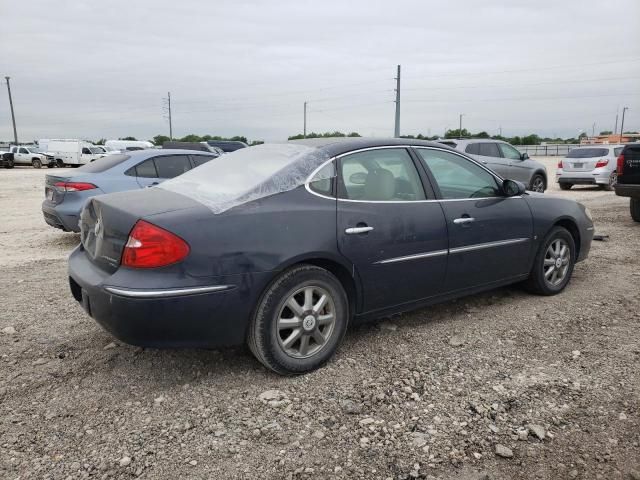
x: 489, y: 234
x: 145, y: 173
x: 490, y: 155
x: 388, y: 228
x: 170, y: 166
x: 201, y: 159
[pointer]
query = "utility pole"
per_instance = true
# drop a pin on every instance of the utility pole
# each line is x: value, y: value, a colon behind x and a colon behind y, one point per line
x: 13, y: 116
x: 460, y: 130
x: 593, y: 130
x: 396, y: 131
x: 616, y: 127
x: 304, y: 130
x: 170, y: 124
x: 622, y: 123
x: 500, y: 128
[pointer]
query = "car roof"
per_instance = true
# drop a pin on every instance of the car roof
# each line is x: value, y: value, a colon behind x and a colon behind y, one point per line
x: 466, y: 141
x: 150, y: 152
x: 337, y: 145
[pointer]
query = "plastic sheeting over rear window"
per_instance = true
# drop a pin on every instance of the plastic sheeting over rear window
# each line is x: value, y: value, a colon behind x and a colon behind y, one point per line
x: 249, y: 174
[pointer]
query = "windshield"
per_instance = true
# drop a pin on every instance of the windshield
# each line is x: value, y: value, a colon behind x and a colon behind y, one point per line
x: 96, y: 150
x: 248, y: 174
x: 32, y: 149
x: 588, y: 152
x: 104, y: 163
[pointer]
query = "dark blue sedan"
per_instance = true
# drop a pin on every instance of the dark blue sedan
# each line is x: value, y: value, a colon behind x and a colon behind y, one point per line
x: 283, y: 245
x: 67, y: 193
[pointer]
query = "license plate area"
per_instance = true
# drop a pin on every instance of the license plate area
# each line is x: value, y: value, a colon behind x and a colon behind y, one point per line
x: 578, y: 165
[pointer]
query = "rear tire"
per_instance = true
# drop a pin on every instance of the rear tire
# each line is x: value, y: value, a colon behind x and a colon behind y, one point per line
x: 566, y: 186
x: 537, y: 184
x: 59, y: 163
x: 634, y: 206
x: 8, y: 164
x: 293, y: 331
x: 36, y: 163
x: 553, y: 265
x: 613, y: 178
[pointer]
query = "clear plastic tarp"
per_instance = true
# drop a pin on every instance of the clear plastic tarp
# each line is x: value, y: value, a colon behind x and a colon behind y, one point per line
x: 249, y: 174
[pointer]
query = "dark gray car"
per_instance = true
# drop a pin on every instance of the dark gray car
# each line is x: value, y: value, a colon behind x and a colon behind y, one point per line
x: 284, y: 245
x: 505, y: 160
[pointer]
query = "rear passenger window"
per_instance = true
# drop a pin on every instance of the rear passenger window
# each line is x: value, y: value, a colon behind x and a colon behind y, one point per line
x: 201, y: 159
x: 489, y: 150
x: 172, y: 165
x: 380, y: 175
x: 146, y: 169
x: 473, y: 149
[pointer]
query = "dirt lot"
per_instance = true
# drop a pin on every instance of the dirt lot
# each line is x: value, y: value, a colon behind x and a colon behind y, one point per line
x: 502, y: 385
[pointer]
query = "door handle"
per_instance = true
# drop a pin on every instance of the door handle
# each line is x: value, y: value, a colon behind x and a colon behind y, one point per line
x: 464, y: 220
x: 356, y: 230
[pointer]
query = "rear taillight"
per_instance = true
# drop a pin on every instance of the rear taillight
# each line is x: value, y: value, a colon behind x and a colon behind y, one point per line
x: 560, y: 164
x: 620, y: 164
x: 603, y: 162
x: 150, y: 246
x: 74, y: 186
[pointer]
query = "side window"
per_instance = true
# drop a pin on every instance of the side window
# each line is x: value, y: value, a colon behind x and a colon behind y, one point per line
x: 170, y: 166
x: 489, y: 150
x: 473, y: 149
x: 146, y: 169
x: 509, y: 152
x: 200, y: 159
x: 86, y: 151
x: 322, y: 181
x: 23, y: 150
x: 386, y: 174
x: 458, y: 177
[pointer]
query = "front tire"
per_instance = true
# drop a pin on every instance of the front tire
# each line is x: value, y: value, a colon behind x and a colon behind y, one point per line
x: 300, y: 321
x: 634, y: 206
x: 537, y: 184
x: 553, y: 265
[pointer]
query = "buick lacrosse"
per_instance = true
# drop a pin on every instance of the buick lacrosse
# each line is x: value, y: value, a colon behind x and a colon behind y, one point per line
x: 282, y: 246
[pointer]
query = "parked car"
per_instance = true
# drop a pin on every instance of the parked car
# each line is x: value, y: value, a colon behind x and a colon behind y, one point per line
x: 589, y: 165
x: 628, y: 181
x: 6, y: 159
x: 227, y: 145
x: 71, y: 153
x: 505, y: 160
x: 66, y: 194
x: 128, y: 145
x: 284, y: 245
x: 200, y: 146
x: 29, y: 155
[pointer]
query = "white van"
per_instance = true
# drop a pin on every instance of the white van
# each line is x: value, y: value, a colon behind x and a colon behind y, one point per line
x: 67, y: 152
x: 128, y: 145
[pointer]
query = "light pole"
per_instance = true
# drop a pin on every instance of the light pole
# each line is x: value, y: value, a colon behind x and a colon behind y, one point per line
x: 13, y: 116
x: 622, y: 124
x: 460, y: 129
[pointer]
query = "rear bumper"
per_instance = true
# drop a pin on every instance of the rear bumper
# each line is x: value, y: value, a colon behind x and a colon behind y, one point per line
x: 627, y: 190
x: 58, y: 218
x: 213, y: 313
x: 594, y: 177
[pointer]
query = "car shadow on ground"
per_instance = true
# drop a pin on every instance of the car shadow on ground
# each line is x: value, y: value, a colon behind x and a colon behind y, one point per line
x: 166, y: 368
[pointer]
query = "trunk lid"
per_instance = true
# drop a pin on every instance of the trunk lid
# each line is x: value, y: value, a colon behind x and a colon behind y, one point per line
x: 630, y: 173
x: 584, y: 159
x: 106, y: 221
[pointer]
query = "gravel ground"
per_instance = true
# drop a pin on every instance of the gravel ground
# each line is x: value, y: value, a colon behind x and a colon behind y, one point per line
x: 502, y: 385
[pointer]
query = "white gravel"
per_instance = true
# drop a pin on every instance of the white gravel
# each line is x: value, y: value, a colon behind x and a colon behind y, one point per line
x: 487, y: 387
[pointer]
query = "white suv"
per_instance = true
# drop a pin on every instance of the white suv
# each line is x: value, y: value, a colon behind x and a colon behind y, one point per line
x: 589, y: 165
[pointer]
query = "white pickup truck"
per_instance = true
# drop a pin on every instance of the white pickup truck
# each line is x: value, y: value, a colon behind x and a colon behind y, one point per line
x: 29, y: 155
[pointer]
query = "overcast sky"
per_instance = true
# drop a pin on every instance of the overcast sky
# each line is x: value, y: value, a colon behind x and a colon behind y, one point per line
x: 89, y: 69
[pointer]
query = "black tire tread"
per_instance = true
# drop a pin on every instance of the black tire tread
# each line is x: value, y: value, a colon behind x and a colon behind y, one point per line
x: 634, y: 208
x: 534, y: 284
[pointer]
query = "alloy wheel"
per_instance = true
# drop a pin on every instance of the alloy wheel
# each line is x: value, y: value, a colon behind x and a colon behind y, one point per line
x: 557, y: 260
x: 306, y: 321
x: 537, y: 185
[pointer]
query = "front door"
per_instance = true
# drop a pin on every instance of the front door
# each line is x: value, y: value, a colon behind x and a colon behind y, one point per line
x: 395, y: 238
x: 519, y: 168
x: 489, y: 234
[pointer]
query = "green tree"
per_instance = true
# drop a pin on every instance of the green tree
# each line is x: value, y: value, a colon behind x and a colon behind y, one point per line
x: 457, y: 133
x: 160, y: 139
x: 256, y: 142
x: 606, y: 132
x: 129, y: 138
x: 101, y: 141
x: 192, y: 137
